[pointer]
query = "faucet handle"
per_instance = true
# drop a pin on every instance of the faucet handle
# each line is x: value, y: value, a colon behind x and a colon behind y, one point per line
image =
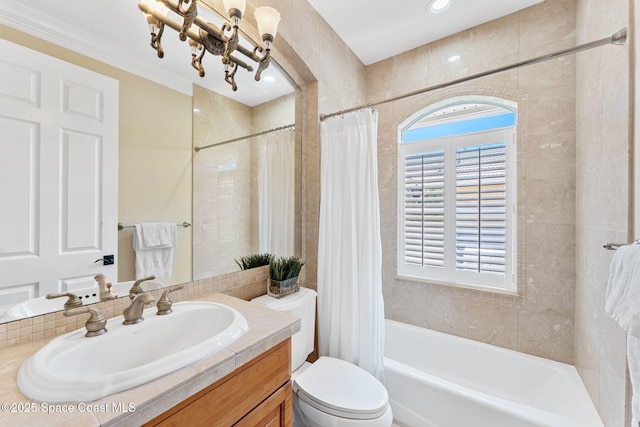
x: 72, y: 302
x: 165, y: 303
x: 96, y: 323
x: 136, y: 288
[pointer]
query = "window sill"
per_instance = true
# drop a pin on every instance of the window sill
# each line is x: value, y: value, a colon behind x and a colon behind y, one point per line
x: 462, y: 286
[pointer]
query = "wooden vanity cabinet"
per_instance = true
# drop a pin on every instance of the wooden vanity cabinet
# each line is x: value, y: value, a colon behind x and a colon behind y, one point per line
x: 256, y: 394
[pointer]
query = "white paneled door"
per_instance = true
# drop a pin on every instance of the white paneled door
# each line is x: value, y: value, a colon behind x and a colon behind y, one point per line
x: 58, y: 174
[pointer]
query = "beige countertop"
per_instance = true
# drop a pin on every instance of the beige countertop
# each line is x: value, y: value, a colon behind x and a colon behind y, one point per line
x: 138, y: 405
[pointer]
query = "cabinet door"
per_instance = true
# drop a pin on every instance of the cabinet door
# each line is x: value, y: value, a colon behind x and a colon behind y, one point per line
x: 256, y: 388
x: 275, y: 411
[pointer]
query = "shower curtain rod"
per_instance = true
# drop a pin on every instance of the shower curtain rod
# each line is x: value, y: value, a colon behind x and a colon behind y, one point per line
x: 245, y: 137
x: 618, y: 38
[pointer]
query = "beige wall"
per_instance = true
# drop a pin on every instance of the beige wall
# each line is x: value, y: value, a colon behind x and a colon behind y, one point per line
x: 603, y: 192
x: 540, y: 319
x: 154, y: 159
x: 155, y: 168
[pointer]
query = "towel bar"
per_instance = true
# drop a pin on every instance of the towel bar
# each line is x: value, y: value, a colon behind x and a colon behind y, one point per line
x: 121, y: 226
x: 614, y: 246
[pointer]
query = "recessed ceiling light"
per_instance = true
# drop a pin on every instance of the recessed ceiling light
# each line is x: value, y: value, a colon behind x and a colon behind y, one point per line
x: 438, y: 6
x: 453, y: 58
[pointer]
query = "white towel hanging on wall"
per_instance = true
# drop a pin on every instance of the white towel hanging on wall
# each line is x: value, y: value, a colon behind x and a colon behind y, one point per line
x: 623, y: 305
x: 153, y: 243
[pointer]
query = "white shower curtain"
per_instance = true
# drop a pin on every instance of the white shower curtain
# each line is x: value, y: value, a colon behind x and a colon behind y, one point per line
x: 276, y: 185
x: 350, y: 305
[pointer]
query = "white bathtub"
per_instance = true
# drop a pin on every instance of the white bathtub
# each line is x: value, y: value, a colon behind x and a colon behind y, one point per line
x: 440, y: 380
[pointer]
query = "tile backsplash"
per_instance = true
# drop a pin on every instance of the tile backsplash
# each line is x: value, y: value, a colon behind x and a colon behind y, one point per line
x: 245, y: 285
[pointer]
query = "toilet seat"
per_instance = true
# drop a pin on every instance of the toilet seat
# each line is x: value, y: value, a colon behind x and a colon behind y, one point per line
x: 342, y: 389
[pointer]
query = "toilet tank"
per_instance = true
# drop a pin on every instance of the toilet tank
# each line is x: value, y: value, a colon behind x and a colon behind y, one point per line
x: 301, y: 304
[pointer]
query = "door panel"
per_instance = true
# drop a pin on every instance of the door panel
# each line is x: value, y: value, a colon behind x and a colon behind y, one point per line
x: 19, y: 172
x: 58, y: 175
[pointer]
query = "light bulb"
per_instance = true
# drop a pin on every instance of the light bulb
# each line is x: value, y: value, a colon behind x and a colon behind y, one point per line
x: 268, y: 19
x: 235, y: 9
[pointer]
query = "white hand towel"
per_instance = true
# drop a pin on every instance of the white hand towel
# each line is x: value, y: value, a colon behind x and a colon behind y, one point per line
x: 633, y: 354
x: 156, y: 234
x: 153, y: 244
x: 623, y: 305
x: 623, y: 290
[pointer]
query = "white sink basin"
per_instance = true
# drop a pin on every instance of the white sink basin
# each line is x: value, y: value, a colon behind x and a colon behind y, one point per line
x: 73, y: 368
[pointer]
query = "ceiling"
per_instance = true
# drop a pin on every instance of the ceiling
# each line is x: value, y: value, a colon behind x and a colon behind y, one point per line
x: 378, y: 29
x: 115, y: 32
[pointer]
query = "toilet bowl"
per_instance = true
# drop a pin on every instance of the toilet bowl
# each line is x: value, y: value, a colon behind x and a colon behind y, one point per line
x: 329, y: 392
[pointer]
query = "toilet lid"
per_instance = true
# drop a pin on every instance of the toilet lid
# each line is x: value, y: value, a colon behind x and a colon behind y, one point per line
x: 286, y: 303
x: 342, y: 389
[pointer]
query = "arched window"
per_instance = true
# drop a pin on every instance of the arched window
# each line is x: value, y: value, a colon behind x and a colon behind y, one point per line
x: 457, y: 194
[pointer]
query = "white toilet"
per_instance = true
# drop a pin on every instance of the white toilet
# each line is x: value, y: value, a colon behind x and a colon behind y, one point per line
x: 329, y: 392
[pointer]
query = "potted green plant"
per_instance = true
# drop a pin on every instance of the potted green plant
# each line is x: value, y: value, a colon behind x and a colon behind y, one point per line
x: 253, y: 261
x: 283, y: 276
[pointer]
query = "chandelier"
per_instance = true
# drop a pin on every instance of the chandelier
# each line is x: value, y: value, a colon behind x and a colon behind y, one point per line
x: 206, y: 37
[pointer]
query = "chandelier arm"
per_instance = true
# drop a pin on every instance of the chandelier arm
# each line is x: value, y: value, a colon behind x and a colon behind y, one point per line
x: 263, y: 65
x: 188, y: 14
x: 196, y: 62
x: 256, y: 51
x: 209, y: 28
x: 229, y: 76
x: 216, y: 47
x: 180, y: 9
x: 241, y: 63
x: 249, y: 53
x: 156, y: 40
x: 230, y: 46
x: 227, y: 27
x: 168, y: 22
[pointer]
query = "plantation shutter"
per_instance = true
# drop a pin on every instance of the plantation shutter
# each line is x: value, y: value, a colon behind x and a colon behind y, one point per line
x: 481, y: 208
x: 424, y: 209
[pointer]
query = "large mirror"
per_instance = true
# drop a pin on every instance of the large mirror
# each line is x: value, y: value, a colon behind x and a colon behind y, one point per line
x: 163, y: 117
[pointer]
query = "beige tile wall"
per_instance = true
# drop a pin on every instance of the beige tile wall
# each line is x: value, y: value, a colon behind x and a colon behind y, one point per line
x: 225, y: 221
x: 540, y: 319
x: 221, y: 184
x: 603, y: 194
x: 245, y: 285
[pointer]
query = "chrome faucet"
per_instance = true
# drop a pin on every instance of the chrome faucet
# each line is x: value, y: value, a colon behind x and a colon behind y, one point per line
x: 165, y: 303
x: 133, y: 313
x: 136, y: 288
x: 96, y: 323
